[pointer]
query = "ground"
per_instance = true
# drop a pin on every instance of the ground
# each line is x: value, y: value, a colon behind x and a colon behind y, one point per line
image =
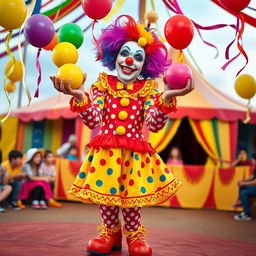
x: 178, y: 231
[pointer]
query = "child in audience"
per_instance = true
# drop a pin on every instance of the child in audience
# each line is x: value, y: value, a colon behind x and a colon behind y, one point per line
x: 175, y: 157
x: 5, y: 189
x: 72, y: 153
x: 38, y: 187
x: 47, y: 169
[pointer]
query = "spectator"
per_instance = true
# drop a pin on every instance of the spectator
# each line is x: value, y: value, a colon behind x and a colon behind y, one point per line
x: 247, y: 188
x: 175, y: 157
x: 86, y: 150
x: 242, y: 158
x: 15, y: 175
x: 72, y: 153
x: 47, y: 169
x: 63, y: 150
x: 38, y: 187
x: 5, y: 189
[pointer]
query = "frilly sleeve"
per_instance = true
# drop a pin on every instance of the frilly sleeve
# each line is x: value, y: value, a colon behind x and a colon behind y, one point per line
x: 166, y: 107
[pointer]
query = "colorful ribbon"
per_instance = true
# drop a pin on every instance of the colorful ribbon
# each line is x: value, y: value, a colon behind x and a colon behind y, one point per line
x: 38, y: 66
x: 8, y: 73
x: 96, y: 42
x: 114, y: 10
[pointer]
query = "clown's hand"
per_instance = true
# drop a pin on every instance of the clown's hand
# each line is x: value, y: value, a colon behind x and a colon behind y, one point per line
x: 168, y: 95
x: 64, y: 87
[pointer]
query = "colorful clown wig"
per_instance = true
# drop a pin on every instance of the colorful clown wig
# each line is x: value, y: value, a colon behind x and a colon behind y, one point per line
x: 117, y: 34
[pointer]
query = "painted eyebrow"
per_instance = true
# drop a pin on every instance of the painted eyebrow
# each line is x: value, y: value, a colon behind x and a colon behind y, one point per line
x: 140, y: 51
x: 127, y: 47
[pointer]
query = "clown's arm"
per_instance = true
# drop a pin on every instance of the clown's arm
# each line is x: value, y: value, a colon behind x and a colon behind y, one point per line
x: 157, y: 112
x: 90, y: 109
x: 158, y: 107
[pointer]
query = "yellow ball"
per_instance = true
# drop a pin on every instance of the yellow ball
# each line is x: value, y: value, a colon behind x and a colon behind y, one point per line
x: 17, y: 73
x: 71, y: 72
x: 142, y: 41
x: 12, y: 13
x: 120, y: 130
x: 124, y: 102
x: 64, y: 53
x: 245, y: 86
x: 10, y: 87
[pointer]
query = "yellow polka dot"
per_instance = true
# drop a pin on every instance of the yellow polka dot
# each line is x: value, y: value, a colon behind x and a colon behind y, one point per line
x: 122, y: 115
x: 120, y: 130
x: 124, y: 102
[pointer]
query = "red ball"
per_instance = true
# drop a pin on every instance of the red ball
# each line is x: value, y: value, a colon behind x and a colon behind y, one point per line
x: 96, y: 9
x: 235, y: 5
x: 179, y: 31
x: 177, y: 75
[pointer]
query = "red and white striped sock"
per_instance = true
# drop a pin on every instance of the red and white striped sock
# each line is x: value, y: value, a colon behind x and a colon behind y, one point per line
x: 110, y: 215
x: 132, y: 218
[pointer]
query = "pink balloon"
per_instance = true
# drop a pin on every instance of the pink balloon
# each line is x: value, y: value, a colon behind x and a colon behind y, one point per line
x: 177, y: 75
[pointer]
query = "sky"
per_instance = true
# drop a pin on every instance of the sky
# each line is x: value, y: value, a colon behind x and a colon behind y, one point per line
x: 203, y: 12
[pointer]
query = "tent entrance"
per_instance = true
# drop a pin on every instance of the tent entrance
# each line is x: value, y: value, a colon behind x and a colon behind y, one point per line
x: 185, y: 140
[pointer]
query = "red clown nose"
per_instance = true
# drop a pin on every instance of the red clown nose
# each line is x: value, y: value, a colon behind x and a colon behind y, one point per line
x: 129, y: 60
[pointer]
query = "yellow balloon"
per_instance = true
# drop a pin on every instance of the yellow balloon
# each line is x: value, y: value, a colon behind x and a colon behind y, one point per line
x: 64, y: 53
x: 10, y: 87
x: 17, y: 73
x: 71, y: 72
x: 12, y: 13
x: 245, y: 86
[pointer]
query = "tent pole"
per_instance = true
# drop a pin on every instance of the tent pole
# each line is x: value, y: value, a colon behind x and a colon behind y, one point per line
x: 20, y: 85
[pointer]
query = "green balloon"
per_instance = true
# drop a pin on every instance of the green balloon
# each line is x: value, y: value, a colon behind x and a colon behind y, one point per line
x: 71, y: 33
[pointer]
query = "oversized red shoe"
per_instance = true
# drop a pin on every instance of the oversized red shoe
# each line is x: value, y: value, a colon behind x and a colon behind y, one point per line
x: 136, y: 243
x: 110, y: 239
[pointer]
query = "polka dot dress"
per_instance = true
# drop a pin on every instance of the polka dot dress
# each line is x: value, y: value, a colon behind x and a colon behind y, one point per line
x: 121, y: 177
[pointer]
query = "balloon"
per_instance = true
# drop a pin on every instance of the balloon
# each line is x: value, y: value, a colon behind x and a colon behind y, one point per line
x: 17, y: 73
x: 71, y: 33
x: 64, y: 53
x: 39, y: 30
x: 10, y: 87
x: 177, y: 75
x: 71, y: 72
x: 245, y: 86
x: 52, y: 44
x: 235, y: 5
x: 96, y: 9
x: 12, y: 13
x: 179, y: 31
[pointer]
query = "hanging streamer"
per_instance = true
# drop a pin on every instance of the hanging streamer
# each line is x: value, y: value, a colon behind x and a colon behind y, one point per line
x: 248, y: 113
x: 114, y: 10
x: 29, y: 13
x: 38, y: 66
x: 8, y: 73
x: 157, y: 27
x: 239, y: 31
x: 96, y: 42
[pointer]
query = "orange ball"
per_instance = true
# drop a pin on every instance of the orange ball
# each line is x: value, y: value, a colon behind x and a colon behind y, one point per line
x: 52, y: 44
x: 17, y: 73
x: 10, y: 87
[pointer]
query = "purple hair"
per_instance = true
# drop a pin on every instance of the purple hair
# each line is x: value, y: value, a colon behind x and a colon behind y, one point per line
x: 117, y: 34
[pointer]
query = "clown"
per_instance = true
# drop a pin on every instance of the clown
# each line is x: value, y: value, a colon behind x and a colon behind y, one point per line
x: 122, y: 172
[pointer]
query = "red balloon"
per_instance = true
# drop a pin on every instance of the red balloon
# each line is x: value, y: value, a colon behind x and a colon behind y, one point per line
x: 235, y: 5
x: 179, y: 31
x: 96, y: 9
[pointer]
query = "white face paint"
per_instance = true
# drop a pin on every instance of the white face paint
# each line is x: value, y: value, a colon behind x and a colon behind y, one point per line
x: 129, y: 62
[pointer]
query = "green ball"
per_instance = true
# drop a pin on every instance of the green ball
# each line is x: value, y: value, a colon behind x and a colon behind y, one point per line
x: 71, y: 33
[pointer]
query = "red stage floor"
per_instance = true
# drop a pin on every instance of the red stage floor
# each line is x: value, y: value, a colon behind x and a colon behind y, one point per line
x: 62, y: 239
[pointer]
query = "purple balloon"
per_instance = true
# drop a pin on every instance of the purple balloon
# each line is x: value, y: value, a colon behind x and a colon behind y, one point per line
x: 39, y: 30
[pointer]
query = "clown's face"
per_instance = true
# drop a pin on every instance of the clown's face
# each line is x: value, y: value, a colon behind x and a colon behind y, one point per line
x: 129, y: 62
